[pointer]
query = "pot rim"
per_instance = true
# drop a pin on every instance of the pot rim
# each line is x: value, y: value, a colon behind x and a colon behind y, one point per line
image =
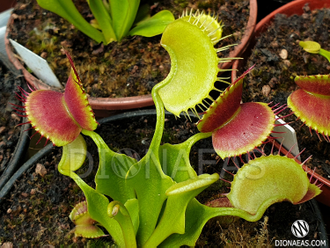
x: 291, y: 8
x: 247, y: 35
x: 294, y: 7
x: 22, y: 143
x: 124, y: 103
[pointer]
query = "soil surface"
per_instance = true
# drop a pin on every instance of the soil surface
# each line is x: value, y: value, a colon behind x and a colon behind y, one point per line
x: 278, y: 59
x: 274, y: 226
x: 36, y: 212
x: 9, y: 131
x: 127, y: 68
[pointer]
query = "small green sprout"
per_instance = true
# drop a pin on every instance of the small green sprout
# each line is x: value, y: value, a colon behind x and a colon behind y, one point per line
x: 114, y: 19
x: 314, y: 47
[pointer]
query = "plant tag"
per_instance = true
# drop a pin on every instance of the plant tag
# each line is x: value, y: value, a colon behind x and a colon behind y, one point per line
x: 38, y: 65
x: 4, y: 16
x: 288, y: 139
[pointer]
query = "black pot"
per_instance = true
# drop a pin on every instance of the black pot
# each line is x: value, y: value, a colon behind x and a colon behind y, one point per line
x: 276, y: 212
x: 265, y: 7
x: 9, y: 165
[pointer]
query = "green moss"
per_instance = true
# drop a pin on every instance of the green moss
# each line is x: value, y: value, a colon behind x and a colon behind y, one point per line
x: 146, y: 53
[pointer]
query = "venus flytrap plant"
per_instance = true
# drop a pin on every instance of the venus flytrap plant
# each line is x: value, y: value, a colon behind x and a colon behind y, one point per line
x: 114, y: 19
x: 315, y: 48
x: 311, y: 102
x: 72, y: 113
x: 154, y: 204
x: 253, y: 122
x: 202, y: 32
x: 84, y: 223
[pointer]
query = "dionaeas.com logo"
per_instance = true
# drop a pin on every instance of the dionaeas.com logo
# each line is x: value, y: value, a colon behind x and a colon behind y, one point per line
x: 300, y: 228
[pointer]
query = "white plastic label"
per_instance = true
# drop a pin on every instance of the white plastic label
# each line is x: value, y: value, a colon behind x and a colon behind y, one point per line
x: 38, y: 65
x: 288, y: 139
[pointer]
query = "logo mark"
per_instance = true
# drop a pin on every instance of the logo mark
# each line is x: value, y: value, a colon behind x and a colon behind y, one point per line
x: 300, y: 228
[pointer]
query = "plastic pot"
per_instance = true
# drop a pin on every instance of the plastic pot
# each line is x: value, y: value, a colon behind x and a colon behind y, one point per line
x: 127, y: 117
x: 55, y: 194
x: 312, y: 205
x: 106, y: 106
x: 294, y: 7
x: 16, y: 158
x: 9, y: 183
x: 9, y: 177
x: 17, y: 155
x: 7, y: 5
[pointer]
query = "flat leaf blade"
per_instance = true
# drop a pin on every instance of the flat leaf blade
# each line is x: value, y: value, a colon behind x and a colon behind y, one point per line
x: 149, y: 184
x: 123, y: 13
x: 175, y: 161
x: 110, y: 177
x: 154, y: 25
x: 179, y: 196
x: 103, y: 19
x: 67, y: 10
x: 97, y: 204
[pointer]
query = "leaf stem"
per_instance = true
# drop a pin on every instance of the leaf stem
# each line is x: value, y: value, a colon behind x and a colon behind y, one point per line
x: 325, y: 54
x: 96, y: 202
x: 159, y: 129
x: 196, y: 137
x: 118, y: 211
x: 225, y: 211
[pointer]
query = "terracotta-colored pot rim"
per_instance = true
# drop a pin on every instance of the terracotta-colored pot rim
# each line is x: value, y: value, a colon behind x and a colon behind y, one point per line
x: 294, y: 7
x: 133, y: 102
x: 247, y: 36
x: 97, y: 103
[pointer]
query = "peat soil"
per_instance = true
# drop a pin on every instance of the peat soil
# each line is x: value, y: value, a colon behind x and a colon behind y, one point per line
x: 36, y: 211
x: 278, y: 59
x: 127, y: 68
